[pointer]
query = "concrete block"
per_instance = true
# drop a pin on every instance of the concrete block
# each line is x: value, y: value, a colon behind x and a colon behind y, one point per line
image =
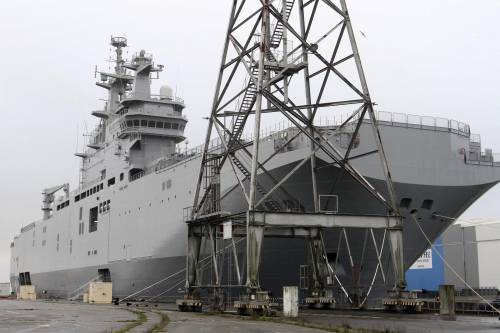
x: 27, y: 293
x: 85, y: 297
x: 101, y: 292
x: 447, y: 301
x: 291, y: 301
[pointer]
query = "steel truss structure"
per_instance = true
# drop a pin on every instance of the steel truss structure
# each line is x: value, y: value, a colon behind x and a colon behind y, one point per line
x: 298, y: 59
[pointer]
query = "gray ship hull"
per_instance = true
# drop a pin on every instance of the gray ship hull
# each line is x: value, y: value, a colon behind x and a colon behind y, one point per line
x: 282, y: 258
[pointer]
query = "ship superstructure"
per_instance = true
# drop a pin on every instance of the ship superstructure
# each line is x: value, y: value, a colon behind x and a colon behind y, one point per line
x: 137, y: 126
x: 126, y: 219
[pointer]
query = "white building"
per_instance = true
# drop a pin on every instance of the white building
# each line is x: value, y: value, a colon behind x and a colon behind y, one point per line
x: 473, y: 250
x: 4, y: 289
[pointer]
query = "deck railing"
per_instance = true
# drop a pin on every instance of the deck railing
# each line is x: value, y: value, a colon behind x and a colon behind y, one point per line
x: 423, y: 122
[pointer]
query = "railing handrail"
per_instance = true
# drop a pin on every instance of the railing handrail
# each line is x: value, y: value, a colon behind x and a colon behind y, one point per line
x: 130, y: 95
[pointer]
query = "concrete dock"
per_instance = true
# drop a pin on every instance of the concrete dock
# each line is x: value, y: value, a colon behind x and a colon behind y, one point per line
x: 58, y: 317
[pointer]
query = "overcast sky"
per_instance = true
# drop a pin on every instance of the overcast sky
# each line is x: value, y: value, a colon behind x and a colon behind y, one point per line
x: 429, y: 57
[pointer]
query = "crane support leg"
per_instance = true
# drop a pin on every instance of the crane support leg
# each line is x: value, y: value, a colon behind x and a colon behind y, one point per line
x: 191, y: 299
x: 320, y: 293
x: 256, y: 301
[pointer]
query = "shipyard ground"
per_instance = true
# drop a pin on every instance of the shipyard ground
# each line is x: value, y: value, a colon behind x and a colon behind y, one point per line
x: 46, y: 316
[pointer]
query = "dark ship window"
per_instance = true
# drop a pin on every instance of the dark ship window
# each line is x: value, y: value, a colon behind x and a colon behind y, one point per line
x: 111, y: 181
x: 151, y: 123
x: 427, y: 204
x: 168, y: 125
x: 93, y: 219
x: 175, y: 126
x: 159, y: 124
x: 136, y: 123
x: 144, y: 123
x: 405, y: 203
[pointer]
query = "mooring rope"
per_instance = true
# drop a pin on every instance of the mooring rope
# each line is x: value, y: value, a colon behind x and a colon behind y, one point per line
x: 172, y: 275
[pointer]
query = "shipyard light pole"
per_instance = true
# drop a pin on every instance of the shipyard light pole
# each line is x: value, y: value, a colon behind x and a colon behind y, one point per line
x: 298, y: 62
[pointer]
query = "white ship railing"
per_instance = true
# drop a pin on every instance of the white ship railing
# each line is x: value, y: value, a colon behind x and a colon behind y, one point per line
x: 383, y: 117
x: 422, y: 122
x: 155, y: 97
x: 484, y: 158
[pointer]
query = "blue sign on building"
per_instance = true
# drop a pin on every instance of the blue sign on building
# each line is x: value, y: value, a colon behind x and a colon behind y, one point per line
x: 428, y: 271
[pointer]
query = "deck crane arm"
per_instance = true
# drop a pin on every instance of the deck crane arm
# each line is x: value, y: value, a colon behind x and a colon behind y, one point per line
x: 48, y: 198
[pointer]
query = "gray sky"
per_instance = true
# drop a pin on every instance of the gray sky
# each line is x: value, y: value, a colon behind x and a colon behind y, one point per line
x: 428, y: 57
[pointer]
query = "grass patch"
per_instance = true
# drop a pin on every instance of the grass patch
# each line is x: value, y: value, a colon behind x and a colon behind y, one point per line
x: 344, y: 328
x: 141, y: 319
x: 161, y: 326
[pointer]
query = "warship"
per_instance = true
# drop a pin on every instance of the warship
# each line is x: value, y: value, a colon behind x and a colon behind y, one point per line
x: 125, y: 222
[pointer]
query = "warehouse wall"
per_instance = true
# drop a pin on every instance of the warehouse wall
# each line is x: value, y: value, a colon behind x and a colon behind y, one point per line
x: 480, y: 269
x: 488, y: 247
x: 454, y: 239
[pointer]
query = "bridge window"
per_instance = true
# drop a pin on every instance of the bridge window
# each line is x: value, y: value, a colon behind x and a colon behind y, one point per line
x: 175, y: 126
x: 144, y: 123
x: 111, y: 181
x: 151, y: 123
x: 159, y: 124
x: 168, y: 125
